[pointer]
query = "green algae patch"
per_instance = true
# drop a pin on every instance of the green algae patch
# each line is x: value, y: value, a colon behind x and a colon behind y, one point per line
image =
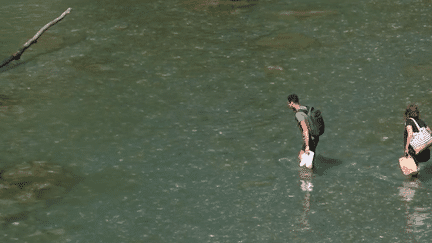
x: 293, y: 41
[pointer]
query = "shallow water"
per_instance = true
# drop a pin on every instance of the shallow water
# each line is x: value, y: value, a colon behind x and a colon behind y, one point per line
x: 174, y: 115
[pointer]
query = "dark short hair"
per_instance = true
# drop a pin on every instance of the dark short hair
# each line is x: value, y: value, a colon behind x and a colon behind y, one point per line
x: 294, y: 98
x: 412, y: 112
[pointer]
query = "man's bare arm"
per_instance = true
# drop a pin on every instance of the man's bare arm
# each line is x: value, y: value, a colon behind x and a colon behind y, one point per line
x: 305, y: 132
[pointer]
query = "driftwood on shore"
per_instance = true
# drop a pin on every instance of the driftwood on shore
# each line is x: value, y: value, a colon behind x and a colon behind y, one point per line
x: 17, y: 55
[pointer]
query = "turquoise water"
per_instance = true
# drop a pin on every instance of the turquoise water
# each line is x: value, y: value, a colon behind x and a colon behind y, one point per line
x: 174, y: 114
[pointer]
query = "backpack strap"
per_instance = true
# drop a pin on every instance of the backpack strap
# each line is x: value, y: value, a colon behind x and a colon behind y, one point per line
x: 306, y: 111
x: 309, y: 109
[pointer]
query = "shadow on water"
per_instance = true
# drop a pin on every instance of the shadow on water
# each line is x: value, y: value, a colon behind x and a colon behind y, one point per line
x: 322, y: 164
x: 425, y: 174
x: 16, y: 63
x: 46, y: 46
x: 12, y: 65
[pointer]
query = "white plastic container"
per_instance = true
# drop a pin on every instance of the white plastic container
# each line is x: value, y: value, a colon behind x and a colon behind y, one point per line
x: 307, y: 159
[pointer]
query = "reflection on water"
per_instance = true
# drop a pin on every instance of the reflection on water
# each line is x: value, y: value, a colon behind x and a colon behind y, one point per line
x: 306, y: 186
x: 407, y: 191
x: 415, y: 214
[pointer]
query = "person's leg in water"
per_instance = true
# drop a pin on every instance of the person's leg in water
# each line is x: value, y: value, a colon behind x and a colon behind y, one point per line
x: 422, y: 157
x: 313, y: 143
x: 411, y: 153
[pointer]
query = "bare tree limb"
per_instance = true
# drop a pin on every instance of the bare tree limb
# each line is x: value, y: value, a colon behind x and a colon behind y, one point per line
x: 17, y: 55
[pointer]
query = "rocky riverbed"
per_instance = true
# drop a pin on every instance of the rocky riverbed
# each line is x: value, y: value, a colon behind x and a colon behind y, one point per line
x: 28, y: 186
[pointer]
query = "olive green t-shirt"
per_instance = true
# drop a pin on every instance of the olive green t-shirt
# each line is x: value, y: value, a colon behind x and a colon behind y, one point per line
x: 301, y: 116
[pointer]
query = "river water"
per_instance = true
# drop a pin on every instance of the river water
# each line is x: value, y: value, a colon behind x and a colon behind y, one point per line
x: 173, y: 114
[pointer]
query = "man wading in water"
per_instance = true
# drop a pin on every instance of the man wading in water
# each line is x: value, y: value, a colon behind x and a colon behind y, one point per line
x: 310, y: 142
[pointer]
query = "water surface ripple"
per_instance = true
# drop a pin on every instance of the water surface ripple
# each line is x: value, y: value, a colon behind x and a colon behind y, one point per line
x: 173, y: 115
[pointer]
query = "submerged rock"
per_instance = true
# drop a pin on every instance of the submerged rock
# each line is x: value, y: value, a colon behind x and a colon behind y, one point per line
x: 218, y: 6
x: 247, y: 184
x: 120, y: 26
x: 269, y: 181
x: 288, y: 41
x: 274, y: 70
x: 306, y: 14
x: 27, y: 184
x: 7, y: 101
x: 50, y: 41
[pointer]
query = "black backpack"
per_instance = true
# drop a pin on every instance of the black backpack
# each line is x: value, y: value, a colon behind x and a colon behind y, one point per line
x: 314, y: 119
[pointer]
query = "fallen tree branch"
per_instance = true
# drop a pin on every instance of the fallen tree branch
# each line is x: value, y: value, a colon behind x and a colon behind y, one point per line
x: 33, y: 40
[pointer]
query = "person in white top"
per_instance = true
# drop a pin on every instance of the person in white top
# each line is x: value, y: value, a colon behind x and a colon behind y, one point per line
x: 412, y: 119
